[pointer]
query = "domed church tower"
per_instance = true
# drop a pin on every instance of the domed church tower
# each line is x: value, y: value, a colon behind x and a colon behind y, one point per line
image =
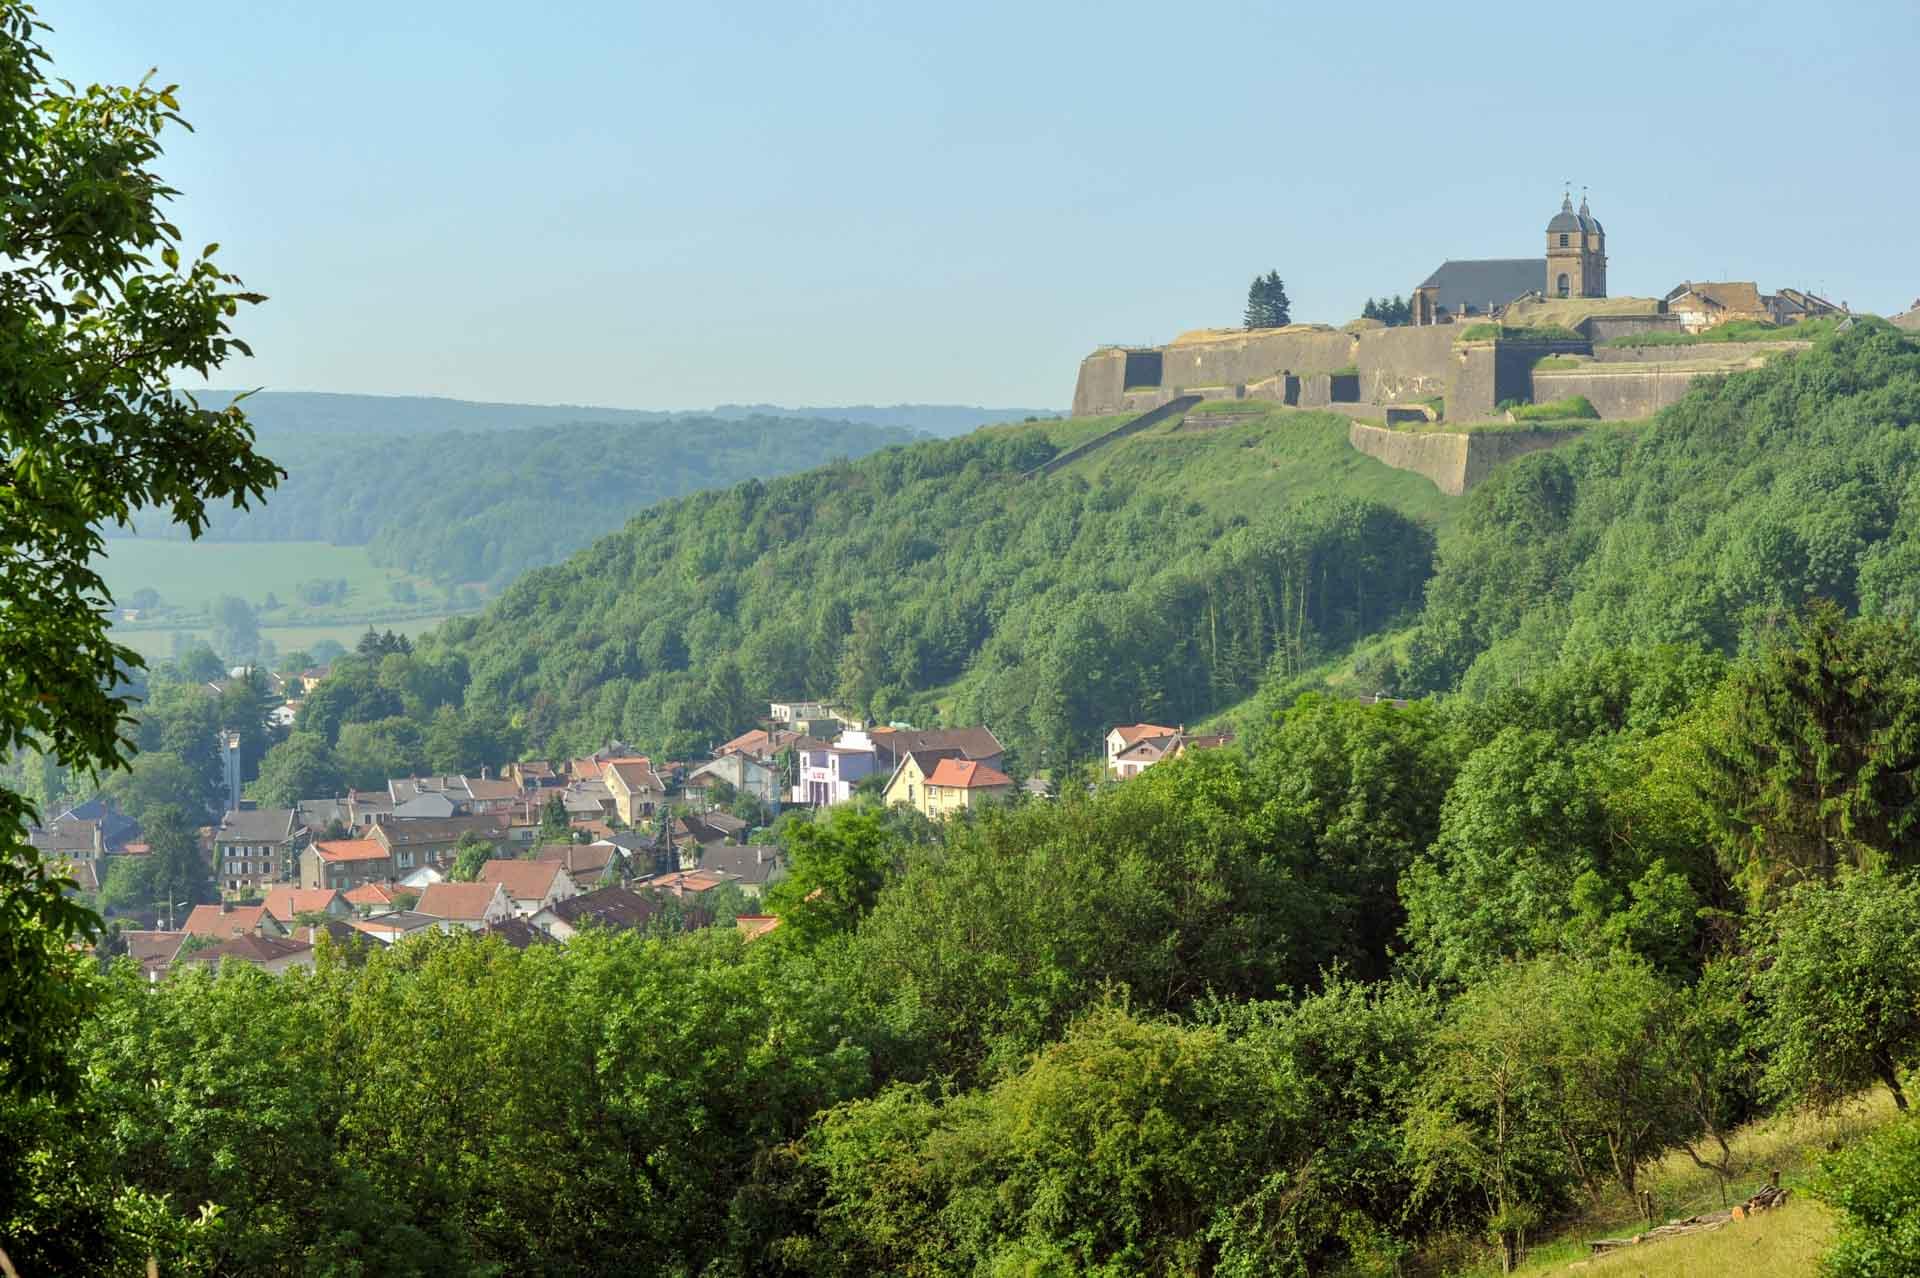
x: 1576, y: 252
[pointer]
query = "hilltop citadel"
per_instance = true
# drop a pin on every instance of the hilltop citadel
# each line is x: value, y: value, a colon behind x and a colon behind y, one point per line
x: 1486, y: 334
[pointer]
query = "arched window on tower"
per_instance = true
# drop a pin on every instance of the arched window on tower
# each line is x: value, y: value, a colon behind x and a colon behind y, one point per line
x: 1564, y: 285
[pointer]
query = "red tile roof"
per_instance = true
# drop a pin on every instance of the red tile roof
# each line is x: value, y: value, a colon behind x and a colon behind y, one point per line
x: 371, y: 894
x: 248, y: 949
x: 350, y: 849
x: 457, y: 900
x: 524, y: 880
x: 1132, y: 732
x: 210, y: 920
x: 966, y: 775
x: 285, y: 901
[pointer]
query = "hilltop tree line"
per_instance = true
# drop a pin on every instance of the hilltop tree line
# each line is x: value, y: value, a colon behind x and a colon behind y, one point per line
x: 1387, y: 975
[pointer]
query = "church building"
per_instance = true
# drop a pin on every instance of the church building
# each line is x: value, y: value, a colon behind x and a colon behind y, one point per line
x: 1575, y: 266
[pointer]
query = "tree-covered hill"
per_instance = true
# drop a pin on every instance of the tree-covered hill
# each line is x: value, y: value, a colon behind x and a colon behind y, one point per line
x: 1753, y: 495
x: 1163, y: 577
x: 484, y: 505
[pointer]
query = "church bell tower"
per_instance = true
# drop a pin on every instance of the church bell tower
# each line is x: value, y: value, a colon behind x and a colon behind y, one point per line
x: 1576, y: 252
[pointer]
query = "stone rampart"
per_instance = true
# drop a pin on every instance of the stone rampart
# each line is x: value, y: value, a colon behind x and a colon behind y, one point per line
x: 1619, y: 391
x: 1102, y: 385
x: 1724, y: 352
x: 1403, y: 363
x: 1455, y: 462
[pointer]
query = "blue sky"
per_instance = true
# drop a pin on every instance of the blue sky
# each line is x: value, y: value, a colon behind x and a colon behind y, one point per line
x: 677, y: 205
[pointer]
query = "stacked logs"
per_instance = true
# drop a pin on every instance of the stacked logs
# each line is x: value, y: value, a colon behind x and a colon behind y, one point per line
x: 1766, y: 1200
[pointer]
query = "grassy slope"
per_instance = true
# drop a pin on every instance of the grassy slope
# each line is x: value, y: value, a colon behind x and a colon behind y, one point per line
x: 1782, y: 1244
x: 1281, y: 457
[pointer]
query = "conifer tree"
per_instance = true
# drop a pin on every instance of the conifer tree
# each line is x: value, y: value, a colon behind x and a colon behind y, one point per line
x: 1267, y: 305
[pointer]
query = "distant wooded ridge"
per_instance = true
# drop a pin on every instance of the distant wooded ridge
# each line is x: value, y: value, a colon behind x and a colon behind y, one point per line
x: 484, y: 504
x: 315, y: 413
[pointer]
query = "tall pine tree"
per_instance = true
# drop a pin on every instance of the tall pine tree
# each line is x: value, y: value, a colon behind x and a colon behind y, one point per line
x: 1267, y: 305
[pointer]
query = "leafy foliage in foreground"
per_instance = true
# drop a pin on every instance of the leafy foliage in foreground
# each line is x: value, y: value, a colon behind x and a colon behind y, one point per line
x: 1135, y: 1031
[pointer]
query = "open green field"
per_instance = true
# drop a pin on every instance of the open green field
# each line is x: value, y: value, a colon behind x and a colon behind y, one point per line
x: 189, y: 576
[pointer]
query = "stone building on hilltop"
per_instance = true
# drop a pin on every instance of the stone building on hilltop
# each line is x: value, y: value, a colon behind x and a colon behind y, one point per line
x: 1575, y: 266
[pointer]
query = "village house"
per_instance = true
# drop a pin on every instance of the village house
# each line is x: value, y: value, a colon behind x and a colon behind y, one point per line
x: 432, y: 842
x: 746, y: 774
x: 976, y: 743
x: 344, y: 864
x: 588, y: 864
x: 254, y: 849
x: 223, y: 922
x: 826, y: 774
x: 465, y: 905
x: 587, y: 800
x: 272, y: 954
x: 395, y: 926
x: 153, y: 951
x: 531, y: 885
x: 520, y: 934
x: 959, y: 785
x: 907, y: 787
x: 370, y: 896
x: 285, y: 902
x: 616, y: 909
x: 636, y: 790
x: 760, y: 743
x: 753, y: 866
x: 71, y: 840
x: 1121, y: 738
x: 1702, y: 306
x: 687, y: 884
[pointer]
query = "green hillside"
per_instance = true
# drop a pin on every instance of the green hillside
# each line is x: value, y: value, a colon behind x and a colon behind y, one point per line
x: 1161, y: 577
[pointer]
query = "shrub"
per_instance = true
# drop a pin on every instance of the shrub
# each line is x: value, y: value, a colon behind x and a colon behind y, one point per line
x: 1572, y: 407
x: 1875, y: 1189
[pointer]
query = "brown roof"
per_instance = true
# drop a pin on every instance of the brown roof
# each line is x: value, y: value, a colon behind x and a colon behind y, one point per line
x: 211, y: 920
x: 966, y: 775
x: 577, y: 858
x: 1132, y: 732
x: 248, y: 949
x: 457, y: 900
x: 746, y: 743
x: 636, y: 773
x: 1733, y: 295
x: 153, y: 951
x: 974, y: 743
x: 524, y: 880
x: 285, y: 901
x: 616, y: 908
x: 350, y: 849
x: 518, y: 933
x: 492, y: 788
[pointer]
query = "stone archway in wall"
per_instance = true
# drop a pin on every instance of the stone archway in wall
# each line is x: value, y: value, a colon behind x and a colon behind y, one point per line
x: 1564, y: 285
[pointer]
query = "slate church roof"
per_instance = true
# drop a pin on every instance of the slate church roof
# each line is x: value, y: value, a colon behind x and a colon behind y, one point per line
x: 1474, y: 286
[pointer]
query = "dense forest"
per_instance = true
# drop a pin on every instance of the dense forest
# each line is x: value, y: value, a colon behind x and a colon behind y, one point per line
x: 485, y: 506
x: 1385, y: 985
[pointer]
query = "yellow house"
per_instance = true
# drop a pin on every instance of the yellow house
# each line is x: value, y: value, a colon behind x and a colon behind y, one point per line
x: 636, y: 790
x: 907, y: 787
x: 955, y: 785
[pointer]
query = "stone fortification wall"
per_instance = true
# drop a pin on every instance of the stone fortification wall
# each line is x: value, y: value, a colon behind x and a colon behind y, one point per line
x: 1619, y: 391
x: 1601, y: 327
x: 1102, y: 385
x: 1454, y: 462
x: 1721, y: 352
x: 1231, y: 360
x: 1403, y: 363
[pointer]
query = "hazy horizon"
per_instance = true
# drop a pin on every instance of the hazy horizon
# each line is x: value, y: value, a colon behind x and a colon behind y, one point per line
x: 821, y: 205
